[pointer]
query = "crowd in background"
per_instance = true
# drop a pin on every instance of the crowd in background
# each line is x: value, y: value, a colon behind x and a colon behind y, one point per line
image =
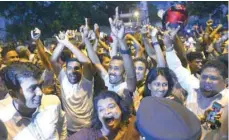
x: 156, y: 83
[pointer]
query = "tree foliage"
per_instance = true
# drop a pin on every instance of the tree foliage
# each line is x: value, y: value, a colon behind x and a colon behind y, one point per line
x: 153, y: 17
x: 51, y: 16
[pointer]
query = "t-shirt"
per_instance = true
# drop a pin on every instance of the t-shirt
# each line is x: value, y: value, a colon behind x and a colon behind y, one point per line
x: 77, y: 100
x: 48, y: 122
x: 129, y: 133
x: 119, y: 89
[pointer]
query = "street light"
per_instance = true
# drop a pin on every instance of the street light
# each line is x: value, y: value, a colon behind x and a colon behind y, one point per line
x: 136, y: 14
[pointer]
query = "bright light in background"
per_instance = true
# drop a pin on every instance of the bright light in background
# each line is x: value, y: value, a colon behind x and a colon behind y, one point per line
x: 136, y: 14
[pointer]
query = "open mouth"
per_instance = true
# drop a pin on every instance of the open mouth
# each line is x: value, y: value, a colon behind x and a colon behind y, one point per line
x: 109, y: 120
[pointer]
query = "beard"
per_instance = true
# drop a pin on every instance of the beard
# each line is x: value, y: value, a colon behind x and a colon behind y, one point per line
x: 74, y: 78
x: 114, y: 79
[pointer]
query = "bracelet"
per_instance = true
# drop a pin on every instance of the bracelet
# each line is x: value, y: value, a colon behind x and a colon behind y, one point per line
x: 124, y: 51
x: 155, y: 43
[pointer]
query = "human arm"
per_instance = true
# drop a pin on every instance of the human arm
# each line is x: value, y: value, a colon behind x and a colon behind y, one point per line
x: 91, y: 53
x: 187, y: 81
x: 84, y: 60
x: 35, y: 34
x: 148, y: 47
x: 160, y: 57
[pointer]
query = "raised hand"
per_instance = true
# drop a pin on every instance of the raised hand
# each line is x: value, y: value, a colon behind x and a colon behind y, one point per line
x: 86, y: 33
x: 62, y: 37
x: 117, y: 26
x: 172, y: 32
x: 96, y: 30
x: 169, y: 37
x: 71, y: 34
x: 35, y: 34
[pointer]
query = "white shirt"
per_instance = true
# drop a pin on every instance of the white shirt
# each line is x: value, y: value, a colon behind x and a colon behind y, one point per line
x: 48, y: 122
x: 77, y: 101
x: 119, y: 89
x: 195, y: 102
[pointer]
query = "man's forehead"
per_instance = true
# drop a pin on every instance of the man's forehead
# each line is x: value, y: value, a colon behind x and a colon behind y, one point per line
x: 73, y: 63
x: 210, y: 71
x: 198, y: 60
x: 30, y: 80
x: 116, y: 62
x: 139, y: 63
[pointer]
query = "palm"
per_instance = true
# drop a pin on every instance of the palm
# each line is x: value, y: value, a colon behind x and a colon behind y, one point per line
x: 117, y: 27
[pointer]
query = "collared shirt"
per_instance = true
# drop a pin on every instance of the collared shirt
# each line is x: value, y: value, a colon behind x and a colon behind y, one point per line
x: 195, y: 102
x: 77, y: 100
x: 48, y: 122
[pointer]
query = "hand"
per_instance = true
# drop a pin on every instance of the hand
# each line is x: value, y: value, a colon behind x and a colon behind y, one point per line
x: 217, y: 116
x: 117, y: 26
x: 172, y: 32
x: 62, y: 38
x: 169, y: 37
x: 35, y: 34
x: 86, y: 33
x: 71, y: 34
x: 96, y: 30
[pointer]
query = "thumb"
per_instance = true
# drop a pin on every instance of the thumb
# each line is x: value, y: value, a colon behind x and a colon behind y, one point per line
x: 111, y: 21
x: 57, y: 38
x: 31, y: 32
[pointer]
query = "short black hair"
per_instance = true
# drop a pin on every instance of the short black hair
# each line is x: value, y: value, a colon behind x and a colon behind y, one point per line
x: 141, y: 60
x: 217, y: 64
x: 65, y: 55
x: 22, y: 53
x: 194, y: 55
x: 117, y: 57
x: 96, y: 124
x: 72, y: 60
x: 5, y: 50
x: 12, y: 73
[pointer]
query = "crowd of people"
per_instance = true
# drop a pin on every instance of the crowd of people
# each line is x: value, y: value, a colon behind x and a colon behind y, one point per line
x: 153, y: 84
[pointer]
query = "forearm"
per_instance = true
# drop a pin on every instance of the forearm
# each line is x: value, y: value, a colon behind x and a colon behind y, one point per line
x: 178, y: 46
x: 95, y: 46
x: 43, y: 56
x: 114, y: 48
x: 160, y: 57
x: 57, y: 52
x: 148, y: 47
x: 91, y: 53
x: 77, y: 53
x: 129, y: 67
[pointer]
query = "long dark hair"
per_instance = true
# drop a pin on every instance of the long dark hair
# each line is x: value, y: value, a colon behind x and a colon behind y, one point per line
x: 96, y: 124
x: 153, y: 74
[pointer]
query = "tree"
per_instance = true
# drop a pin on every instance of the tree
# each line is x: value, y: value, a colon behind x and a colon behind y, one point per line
x: 153, y: 17
x: 52, y: 17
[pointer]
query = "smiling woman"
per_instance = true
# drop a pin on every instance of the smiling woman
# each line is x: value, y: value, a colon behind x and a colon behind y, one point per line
x: 111, y: 120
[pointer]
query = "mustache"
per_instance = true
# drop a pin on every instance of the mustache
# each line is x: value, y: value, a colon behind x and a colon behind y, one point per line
x: 112, y: 75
